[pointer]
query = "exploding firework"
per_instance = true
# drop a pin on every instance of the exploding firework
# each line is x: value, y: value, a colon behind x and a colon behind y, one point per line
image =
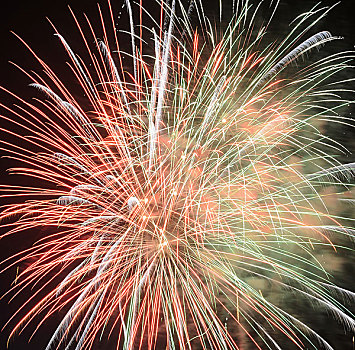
x: 187, y: 189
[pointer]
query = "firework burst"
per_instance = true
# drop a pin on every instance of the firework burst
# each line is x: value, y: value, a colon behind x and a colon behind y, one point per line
x: 185, y: 187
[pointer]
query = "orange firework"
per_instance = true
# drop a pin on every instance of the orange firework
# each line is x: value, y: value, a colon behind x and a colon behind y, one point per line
x: 186, y: 186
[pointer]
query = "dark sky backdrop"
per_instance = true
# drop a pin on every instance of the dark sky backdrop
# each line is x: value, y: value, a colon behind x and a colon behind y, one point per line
x: 28, y: 19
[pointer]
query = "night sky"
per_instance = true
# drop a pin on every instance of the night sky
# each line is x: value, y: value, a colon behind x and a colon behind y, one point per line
x: 28, y: 20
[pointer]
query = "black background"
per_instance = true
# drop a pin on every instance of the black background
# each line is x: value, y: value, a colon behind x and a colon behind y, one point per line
x: 28, y: 20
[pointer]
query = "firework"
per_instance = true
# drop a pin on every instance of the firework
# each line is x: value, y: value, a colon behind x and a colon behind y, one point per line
x: 189, y: 183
